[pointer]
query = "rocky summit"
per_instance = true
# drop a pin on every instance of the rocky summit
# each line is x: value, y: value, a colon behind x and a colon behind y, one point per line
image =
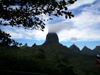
x: 51, y: 38
x: 74, y: 48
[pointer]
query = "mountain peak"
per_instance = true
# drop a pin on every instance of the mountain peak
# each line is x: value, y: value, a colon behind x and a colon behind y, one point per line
x: 85, y: 48
x: 74, y: 48
x: 34, y: 45
x: 97, y: 48
x: 73, y: 45
x: 87, y: 51
x: 25, y: 45
x: 51, y: 38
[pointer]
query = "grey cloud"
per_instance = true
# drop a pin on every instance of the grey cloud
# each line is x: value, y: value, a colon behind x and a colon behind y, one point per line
x: 73, y: 39
x: 59, y: 27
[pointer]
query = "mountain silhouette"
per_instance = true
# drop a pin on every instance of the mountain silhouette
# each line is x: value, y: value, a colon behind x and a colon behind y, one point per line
x: 25, y: 45
x: 74, y: 48
x: 51, y: 38
x: 86, y: 51
x: 97, y: 50
x: 52, y: 49
x: 34, y: 45
x: 86, y: 48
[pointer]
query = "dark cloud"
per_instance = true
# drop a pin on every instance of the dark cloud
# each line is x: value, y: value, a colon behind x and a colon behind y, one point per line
x: 73, y: 39
x: 59, y: 27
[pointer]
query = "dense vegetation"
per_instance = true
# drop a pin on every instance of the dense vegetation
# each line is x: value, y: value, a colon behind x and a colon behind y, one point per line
x: 54, y: 59
x: 29, y: 15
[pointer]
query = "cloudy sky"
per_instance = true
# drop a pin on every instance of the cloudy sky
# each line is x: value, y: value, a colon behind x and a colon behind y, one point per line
x: 82, y: 30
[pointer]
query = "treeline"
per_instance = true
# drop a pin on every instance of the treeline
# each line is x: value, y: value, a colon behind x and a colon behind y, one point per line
x: 36, y: 64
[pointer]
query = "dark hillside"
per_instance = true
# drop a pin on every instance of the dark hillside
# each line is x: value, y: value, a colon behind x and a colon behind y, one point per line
x: 82, y: 64
x: 97, y: 50
x: 50, y: 58
x: 74, y: 48
x: 86, y: 51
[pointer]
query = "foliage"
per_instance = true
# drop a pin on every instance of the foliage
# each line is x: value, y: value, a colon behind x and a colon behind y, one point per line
x: 28, y: 13
x: 34, y: 65
x: 40, y: 54
x: 58, y: 59
x: 5, y: 39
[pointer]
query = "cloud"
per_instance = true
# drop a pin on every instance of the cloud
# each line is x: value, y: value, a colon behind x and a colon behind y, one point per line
x: 87, y: 25
x: 83, y: 27
x: 73, y: 39
x: 88, y: 18
x: 79, y: 3
x: 59, y: 27
x: 10, y: 30
x: 21, y: 33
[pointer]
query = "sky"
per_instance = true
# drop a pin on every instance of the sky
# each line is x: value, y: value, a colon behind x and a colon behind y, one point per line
x: 81, y: 30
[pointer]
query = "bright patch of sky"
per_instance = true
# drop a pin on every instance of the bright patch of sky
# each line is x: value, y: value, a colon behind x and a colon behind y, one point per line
x: 83, y: 29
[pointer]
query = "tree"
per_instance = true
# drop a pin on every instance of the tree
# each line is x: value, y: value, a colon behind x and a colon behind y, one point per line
x: 26, y: 13
x: 5, y: 39
x: 20, y: 44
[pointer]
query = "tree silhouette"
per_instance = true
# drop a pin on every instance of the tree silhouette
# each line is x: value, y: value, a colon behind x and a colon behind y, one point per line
x: 28, y: 13
x: 5, y: 38
x: 20, y: 44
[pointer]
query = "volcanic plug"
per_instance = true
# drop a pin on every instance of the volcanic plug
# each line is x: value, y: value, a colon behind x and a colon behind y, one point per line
x: 51, y: 38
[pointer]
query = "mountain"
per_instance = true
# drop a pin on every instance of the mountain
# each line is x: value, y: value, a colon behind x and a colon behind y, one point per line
x: 34, y: 45
x: 25, y: 45
x: 97, y: 50
x: 83, y: 64
x: 52, y: 47
x: 86, y: 51
x: 74, y: 48
x: 51, y: 38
